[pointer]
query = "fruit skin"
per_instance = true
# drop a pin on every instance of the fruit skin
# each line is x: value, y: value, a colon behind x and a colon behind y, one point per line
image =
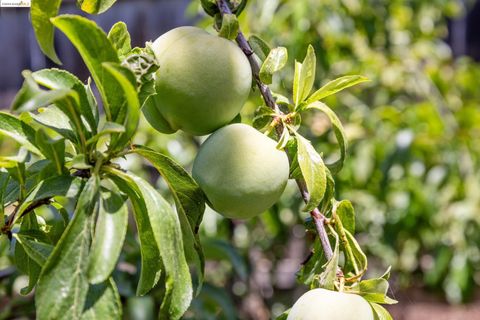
x: 319, y: 304
x: 241, y: 171
x: 202, y: 83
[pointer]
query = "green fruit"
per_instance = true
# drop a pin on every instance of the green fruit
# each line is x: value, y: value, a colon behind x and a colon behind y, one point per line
x: 319, y: 304
x: 241, y: 171
x: 202, y: 83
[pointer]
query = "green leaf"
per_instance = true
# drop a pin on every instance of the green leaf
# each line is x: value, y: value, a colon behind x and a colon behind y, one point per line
x: 123, y: 76
x: 335, y: 86
x: 339, y: 134
x: 56, y: 79
x: 189, y: 201
x: 358, y: 255
x: 103, y: 302
x: 229, y: 29
x: 36, y: 250
x: 275, y: 61
x: 23, y: 261
x: 263, y: 117
x: 313, y: 171
x: 380, y: 312
x: 210, y: 7
x: 65, y: 270
x: 304, y: 77
x: 4, y: 177
x: 327, y: 278
x: 52, y: 149
x: 54, y: 118
x: 260, y: 47
x: 374, y: 290
x: 313, y: 265
x: 110, y: 233
x: 108, y: 128
x: 95, y: 50
x: 40, y: 12
x: 157, y: 221
x: 346, y: 213
x: 187, y: 194
x: 150, y: 253
x: 95, y: 6
x: 19, y: 131
x: 120, y: 38
x: 65, y: 185
x: 284, y: 138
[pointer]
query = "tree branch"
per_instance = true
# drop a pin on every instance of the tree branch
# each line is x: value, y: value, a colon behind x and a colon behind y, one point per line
x: 267, y: 96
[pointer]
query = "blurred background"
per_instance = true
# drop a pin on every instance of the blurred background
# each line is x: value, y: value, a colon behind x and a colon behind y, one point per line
x: 413, y: 171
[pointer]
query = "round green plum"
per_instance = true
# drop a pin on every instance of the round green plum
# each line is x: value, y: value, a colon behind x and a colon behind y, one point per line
x: 241, y: 171
x: 319, y: 304
x: 202, y: 82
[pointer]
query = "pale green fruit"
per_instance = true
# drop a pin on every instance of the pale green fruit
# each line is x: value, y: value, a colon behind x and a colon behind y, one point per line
x: 241, y: 171
x: 202, y: 83
x: 321, y: 304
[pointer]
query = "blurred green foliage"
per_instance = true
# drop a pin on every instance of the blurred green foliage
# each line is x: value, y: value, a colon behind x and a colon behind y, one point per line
x: 413, y: 167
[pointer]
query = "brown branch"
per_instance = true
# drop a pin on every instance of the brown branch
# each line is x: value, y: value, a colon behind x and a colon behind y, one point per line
x: 267, y: 96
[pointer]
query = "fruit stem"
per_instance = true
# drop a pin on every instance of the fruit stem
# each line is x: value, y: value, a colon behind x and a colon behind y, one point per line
x: 267, y: 96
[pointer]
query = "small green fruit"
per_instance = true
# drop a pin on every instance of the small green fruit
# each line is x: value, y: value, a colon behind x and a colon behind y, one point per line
x: 241, y: 171
x: 202, y: 83
x: 319, y: 304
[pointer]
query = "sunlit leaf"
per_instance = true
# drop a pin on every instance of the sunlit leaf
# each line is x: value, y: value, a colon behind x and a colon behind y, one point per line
x: 275, y: 61
x: 41, y: 11
x: 335, y: 86
x: 313, y: 171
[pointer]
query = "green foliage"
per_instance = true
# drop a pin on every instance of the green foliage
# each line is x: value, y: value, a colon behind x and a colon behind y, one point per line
x: 67, y: 160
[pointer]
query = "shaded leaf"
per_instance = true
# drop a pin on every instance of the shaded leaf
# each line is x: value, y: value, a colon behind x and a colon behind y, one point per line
x: 327, y: 278
x: 36, y: 250
x: 260, y: 47
x: 110, y: 231
x: 103, y: 302
x: 65, y: 269
x: 190, y: 203
x: 155, y: 216
x: 23, y: 260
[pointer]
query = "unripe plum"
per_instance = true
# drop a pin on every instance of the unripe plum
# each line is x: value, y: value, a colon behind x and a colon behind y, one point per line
x: 241, y: 171
x: 201, y: 84
x: 320, y: 304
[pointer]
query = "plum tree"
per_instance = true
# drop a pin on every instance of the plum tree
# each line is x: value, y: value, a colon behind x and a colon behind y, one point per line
x: 202, y: 83
x: 241, y: 171
x: 318, y: 304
